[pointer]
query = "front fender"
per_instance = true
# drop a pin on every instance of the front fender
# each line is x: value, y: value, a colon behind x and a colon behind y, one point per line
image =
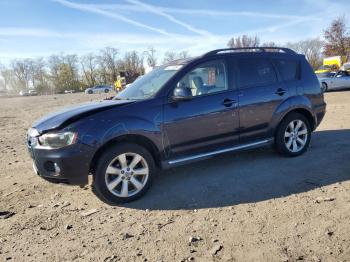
x: 104, y: 130
x: 129, y: 125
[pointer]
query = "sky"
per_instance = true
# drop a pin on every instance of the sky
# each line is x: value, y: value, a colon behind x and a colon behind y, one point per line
x: 39, y: 28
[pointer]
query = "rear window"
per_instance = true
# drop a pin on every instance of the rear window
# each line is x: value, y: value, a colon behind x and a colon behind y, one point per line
x: 288, y: 69
x: 255, y: 72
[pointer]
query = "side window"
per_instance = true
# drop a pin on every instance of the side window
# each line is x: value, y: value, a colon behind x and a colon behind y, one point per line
x: 206, y: 79
x: 342, y: 74
x: 255, y: 72
x: 288, y: 69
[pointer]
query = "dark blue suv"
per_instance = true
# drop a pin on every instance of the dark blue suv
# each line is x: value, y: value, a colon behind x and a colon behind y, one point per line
x: 191, y: 109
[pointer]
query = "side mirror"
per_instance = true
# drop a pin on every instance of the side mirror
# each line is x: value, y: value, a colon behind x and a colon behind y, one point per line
x: 182, y: 93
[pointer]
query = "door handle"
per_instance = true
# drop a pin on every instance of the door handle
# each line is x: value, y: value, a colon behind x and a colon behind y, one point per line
x: 280, y: 91
x: 228, y: 102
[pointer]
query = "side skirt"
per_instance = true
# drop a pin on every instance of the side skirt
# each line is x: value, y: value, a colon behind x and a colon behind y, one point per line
x: 189, y: 159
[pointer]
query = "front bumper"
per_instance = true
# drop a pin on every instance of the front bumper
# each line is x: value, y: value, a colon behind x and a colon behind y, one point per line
x: 69, y: 165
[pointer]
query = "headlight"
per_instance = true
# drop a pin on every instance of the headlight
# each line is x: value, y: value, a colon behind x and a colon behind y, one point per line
x: 58, y: 140
x: 32, y: 132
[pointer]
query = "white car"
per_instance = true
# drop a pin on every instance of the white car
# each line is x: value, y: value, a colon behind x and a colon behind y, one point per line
x: 99, y: 89
x: 334, y: 80
x: 23, y: 93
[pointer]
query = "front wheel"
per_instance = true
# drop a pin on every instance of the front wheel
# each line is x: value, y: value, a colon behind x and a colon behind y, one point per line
x: 293, y: 135
x: 124, y: 173
x: 324, y: 87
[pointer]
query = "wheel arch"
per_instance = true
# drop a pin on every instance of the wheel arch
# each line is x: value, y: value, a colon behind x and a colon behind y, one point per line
x: 326, y: 86
x: 296, y: 104
x: 300, y: 110
x: 140, y: 140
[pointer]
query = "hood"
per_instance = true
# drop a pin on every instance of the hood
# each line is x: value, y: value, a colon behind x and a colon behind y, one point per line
x: 66, y: 116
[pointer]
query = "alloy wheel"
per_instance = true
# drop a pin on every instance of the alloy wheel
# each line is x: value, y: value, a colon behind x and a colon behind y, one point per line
x: 295, y: 135
x: 126, y: 175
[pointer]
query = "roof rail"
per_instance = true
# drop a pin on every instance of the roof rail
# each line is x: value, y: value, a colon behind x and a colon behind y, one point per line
x: 253, y: 49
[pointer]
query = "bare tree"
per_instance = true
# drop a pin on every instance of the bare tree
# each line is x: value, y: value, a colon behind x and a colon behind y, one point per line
x: 38, y: 75
x: 151, y: 57
x: 132, y: 64
x: 89, y: 64
x: 337, y: 39
x: 54, y: 63
x: 243, y: 41
x: 4, y: 80
x: 64, y: 72
x: 269, y: 44
x: 311, y: 48
x: 109, y: 61
x: 169, y: 57
x: 183, y: 54
x: 21, y: 72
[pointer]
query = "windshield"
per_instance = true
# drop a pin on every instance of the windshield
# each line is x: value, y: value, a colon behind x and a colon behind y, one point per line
x: 149, y: 84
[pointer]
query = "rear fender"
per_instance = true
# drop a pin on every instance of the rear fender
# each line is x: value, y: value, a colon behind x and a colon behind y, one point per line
x: 289, y: 105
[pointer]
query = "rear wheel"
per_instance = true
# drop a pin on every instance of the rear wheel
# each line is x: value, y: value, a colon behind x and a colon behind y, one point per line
x: 124, y: 173
x: 106, y: 90
x: 293, y: 135
x: 324, y: 87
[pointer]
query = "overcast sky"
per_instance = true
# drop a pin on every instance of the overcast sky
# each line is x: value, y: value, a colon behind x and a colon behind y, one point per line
x: 34, y: 28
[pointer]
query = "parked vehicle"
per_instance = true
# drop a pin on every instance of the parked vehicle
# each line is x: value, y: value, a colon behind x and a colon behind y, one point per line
x: 331, y: 63
x: 28, y: 93
x: 346, y: 66
x: 334, y: 81
x: 71, y: 91
x: 191, y: 109
x: 32, y: 93
x: 99, y: 89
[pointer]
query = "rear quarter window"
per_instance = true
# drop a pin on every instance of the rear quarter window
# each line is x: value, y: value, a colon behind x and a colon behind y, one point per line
x: 288, y: 69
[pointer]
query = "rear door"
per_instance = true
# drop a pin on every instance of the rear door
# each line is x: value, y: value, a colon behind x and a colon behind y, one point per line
x: 289, y: 73
x: 260, y: 93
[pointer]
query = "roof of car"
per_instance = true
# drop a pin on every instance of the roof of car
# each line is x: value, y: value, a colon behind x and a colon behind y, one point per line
x: 245, y: 50
x: 258, y: 49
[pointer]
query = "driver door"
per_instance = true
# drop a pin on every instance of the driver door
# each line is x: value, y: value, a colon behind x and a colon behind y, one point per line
x: 209, y: 119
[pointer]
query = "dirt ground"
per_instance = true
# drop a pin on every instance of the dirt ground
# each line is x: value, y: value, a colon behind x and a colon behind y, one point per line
x: 248, y: 206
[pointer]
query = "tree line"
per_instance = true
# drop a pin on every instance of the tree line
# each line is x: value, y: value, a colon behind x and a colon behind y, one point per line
x: 336, y: 42
x: 57, y: 73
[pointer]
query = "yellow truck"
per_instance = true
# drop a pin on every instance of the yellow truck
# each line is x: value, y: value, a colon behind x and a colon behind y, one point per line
x: 332, y: 63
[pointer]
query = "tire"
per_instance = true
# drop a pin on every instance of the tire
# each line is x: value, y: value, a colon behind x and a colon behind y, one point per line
x: 121, y: 179
x: 106, y: 90
x: 324, y: 87
x: 292, y: 142
x: 90, y: 92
